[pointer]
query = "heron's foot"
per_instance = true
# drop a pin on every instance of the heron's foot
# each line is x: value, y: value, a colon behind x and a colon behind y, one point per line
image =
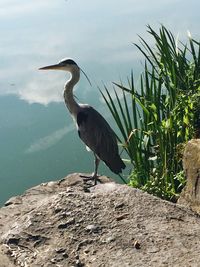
x: 93, y: 177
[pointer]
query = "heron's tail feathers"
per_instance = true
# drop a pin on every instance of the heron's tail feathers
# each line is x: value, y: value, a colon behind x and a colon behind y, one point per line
x: 116, y: 164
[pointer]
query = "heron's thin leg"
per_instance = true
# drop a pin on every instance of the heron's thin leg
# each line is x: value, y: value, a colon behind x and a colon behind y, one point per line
x: 94, y: 175
x: 96, y: 165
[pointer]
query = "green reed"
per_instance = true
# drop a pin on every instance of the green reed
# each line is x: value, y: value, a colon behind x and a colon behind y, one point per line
x: 160, y: 115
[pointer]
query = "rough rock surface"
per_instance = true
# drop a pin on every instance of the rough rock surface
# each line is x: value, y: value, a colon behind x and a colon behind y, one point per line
x: 190, y: 196
x: 68, y: 223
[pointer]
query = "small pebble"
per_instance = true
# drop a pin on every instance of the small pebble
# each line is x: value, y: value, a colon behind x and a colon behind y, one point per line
x: 137, y: 244
x: 119, y: 205
x: 92, y: 228
x: 60, y: 250
x: 122, y: 216
x: 66, y: 224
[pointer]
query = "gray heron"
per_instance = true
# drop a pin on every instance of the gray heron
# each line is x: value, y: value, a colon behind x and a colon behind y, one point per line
x: 92, y: 128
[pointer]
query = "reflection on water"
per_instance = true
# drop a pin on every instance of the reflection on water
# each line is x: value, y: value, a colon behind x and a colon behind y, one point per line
x: 49, y: 140
x: 38, y: 140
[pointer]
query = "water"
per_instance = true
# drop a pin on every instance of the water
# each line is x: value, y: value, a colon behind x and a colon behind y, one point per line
x: 38, y: 141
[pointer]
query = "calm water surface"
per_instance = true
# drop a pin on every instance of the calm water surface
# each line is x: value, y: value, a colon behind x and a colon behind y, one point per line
x: 38, y: 141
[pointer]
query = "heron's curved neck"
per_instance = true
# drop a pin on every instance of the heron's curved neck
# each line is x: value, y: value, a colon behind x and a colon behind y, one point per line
x: 70, y: 102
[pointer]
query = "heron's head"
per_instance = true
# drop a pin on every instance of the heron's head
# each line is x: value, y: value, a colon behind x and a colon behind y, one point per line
x: 65, y: 64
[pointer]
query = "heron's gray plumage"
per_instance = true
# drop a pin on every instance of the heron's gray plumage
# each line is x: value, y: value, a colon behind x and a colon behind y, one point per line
x: 96, y: 133
x: 93, y: 129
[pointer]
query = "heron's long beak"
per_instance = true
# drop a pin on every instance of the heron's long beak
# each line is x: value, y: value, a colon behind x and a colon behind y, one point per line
x: 51, y: 67
x: 59, y: 67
